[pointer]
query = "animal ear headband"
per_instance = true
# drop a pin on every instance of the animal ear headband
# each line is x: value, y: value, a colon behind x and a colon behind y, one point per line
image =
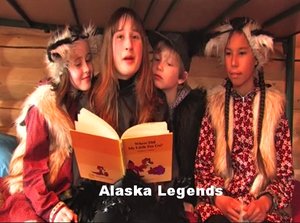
x: 260, y: 41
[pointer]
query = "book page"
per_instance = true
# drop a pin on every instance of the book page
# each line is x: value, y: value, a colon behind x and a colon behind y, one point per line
x: 150, y: 157
x: 92, y: 124
x: 99, y: 158
x: 146, y: 129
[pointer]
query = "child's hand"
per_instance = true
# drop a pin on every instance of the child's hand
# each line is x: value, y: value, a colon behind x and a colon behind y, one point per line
x: 66, y: 215
x: 257, y: 210
x: 229, y: 206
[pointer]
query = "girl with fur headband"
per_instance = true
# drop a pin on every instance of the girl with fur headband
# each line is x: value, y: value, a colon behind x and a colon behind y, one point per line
x: 40, y: 172
x: 170, y: 66
x: 244, y: 145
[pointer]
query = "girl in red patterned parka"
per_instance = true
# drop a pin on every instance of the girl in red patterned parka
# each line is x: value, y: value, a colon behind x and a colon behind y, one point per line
x: 245, y: 144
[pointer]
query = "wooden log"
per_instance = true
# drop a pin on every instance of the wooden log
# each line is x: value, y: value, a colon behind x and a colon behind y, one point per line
x: 8, y: 117
x: 20, y: 75
x: 19, y: 40
x: 27, y: 58
x: 296, y: 139
x: 7, y: 30
x: 18, y: 92
x: 12, y: 104
x: 8, y: 130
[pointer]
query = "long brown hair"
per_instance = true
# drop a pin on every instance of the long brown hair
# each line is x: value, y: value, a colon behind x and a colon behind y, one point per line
x: 103, y: 98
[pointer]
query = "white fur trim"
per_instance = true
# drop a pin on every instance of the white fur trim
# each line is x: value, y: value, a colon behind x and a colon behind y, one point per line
x: 274, y: 108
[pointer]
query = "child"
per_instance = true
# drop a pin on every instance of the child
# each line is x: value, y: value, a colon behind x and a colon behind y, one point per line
x: 124, y: 95
x: 40, y: 173
x: 170, y: 66
x: 244, y: 144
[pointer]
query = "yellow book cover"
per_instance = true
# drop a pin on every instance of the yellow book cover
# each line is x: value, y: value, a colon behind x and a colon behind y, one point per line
x: 104, y: 156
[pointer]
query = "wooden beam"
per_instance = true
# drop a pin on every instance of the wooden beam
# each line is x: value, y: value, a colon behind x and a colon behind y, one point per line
x: 148, y: 10
x: 20, y: 11
x: 292, y: 10
x: 233, y: 7
x: 167, y: 12
x: 290, y: 75
x: 74, y: 11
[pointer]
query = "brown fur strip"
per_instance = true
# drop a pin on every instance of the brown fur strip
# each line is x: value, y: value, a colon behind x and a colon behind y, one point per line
x: 274, y: 108
x: 59, y: 125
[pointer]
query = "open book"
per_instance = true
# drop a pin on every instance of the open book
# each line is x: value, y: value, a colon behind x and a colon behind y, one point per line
x: 103, y: 156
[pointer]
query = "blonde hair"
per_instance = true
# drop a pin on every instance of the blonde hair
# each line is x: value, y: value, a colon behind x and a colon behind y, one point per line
x: 161, y: 46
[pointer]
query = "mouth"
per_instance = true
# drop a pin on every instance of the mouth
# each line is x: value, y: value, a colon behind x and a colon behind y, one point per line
x: 157, y: 77
x: 87, y: 77
x: 128, y: 58
x: 235, y: 74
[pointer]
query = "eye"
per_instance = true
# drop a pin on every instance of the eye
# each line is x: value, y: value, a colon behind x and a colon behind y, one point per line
x: 136, y: 36
x: 227, y: 53
x: 242, y: 52
x: 156, y: 58
x: 78, y: 64
x: 120, y: 36
x: 89, y: 58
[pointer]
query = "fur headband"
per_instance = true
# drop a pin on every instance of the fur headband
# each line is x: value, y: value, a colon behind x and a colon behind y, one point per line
x: 59, y: 47
x: 260, y: 42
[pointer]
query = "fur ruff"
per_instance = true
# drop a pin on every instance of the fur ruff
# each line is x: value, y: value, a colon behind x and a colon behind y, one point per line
x: 261, y: 45
x: 274, y: 108
x: 59, y: 67
x: 59, y: 125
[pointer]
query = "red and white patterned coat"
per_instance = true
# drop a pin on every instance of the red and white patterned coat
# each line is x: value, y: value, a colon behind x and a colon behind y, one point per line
x: 244, y: 184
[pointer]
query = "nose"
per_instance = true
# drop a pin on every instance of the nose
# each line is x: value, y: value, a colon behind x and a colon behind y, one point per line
x: 128, y: 43
x: 86, y: 67
x: 160, y: 65
x: 234, y: 60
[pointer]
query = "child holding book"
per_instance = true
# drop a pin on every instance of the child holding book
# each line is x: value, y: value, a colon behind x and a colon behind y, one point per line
x: 170, y: 66
x: 40, y: 172
x: 245, y: 143
x: 124, y: 95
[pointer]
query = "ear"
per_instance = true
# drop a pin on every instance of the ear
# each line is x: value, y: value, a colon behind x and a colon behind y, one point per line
x: 183, y: 78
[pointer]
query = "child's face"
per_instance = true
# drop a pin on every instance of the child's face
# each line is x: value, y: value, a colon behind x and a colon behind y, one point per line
x: 166, y: 68
x: 240, y: 62
x: 80, y: 65
x: 127, y: 49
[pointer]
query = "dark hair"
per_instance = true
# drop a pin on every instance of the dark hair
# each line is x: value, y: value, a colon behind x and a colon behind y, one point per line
x: 262, y: 86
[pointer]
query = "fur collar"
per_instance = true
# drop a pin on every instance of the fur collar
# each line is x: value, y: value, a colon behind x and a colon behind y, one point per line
x: 274, y: 108
x: 59, y: 125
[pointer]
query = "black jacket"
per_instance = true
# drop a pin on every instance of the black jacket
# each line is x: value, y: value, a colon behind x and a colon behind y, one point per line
x: 127, y: 104
x: 187, y: 117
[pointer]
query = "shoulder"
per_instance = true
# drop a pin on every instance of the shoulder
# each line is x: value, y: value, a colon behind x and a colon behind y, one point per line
x: 194, y: 103
x: 275, y: 100
x: 275, y: 95
x: 41, y: 99
x: 198, y: 93
x: 41, y: 94
x: 215, y: 96
x: 196, y: 97
x: 216, y: 92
